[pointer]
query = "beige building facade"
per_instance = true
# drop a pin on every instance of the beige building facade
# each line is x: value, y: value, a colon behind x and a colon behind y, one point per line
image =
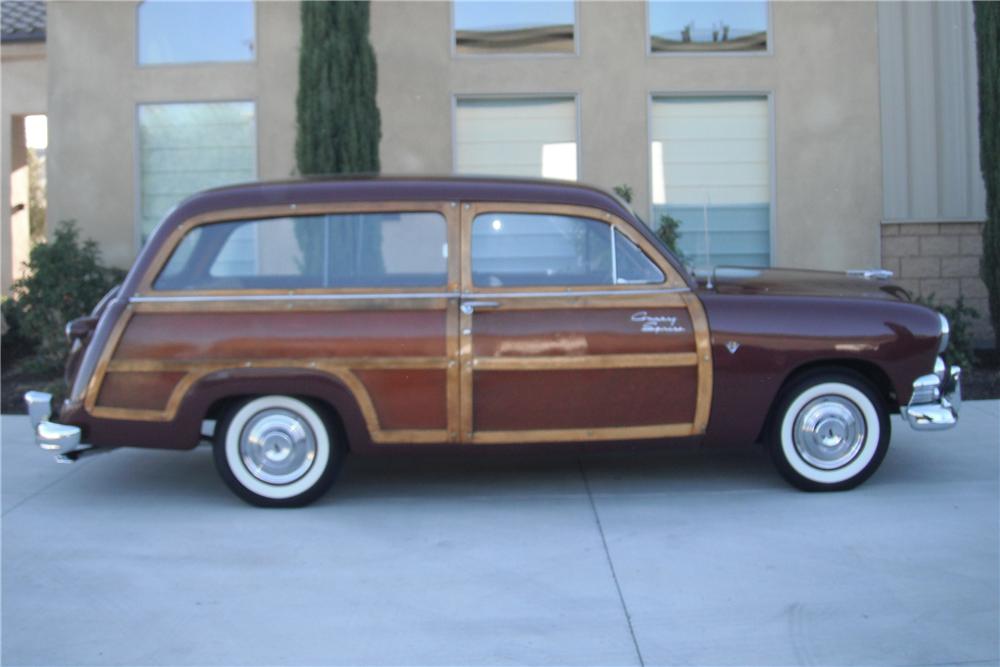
x: 813, y: 127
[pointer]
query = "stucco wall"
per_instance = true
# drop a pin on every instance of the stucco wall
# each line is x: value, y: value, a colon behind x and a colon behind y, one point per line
x: 822, y: 76
x: 23, y: 79
x: 96, y: 85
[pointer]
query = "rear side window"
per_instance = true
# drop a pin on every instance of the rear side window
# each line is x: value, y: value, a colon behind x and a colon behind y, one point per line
x: 342, y: 250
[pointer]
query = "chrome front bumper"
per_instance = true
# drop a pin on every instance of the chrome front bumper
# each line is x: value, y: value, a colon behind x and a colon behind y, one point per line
x: 60, y: 439
x: 934, y: 407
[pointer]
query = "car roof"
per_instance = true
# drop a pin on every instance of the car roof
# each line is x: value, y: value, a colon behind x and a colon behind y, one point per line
x: 395, y: 188
x: 319, y: 190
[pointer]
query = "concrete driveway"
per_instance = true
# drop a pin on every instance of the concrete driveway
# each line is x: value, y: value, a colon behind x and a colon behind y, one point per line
x: 679, y: 557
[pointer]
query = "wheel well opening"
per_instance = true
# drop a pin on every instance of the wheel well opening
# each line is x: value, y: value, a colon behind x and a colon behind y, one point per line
x: 871, y: 372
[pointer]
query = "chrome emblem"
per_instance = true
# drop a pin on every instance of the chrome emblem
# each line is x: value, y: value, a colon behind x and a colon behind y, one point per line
x: 732, y: 346
x: 657, y: 324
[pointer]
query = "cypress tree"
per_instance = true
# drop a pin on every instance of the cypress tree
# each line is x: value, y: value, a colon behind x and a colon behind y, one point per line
x: 338, y: 122
x: 338, y: 128
x: 988, y: 56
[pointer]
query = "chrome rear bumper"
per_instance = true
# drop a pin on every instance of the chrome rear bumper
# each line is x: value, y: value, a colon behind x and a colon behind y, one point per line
x: 60, y: 439
x: 934, y: 407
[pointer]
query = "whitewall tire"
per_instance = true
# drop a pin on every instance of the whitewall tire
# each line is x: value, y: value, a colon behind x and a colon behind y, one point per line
x: 276, y: 451
x: 831, y: 432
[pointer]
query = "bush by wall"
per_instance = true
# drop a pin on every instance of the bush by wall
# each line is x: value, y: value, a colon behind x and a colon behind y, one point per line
x: 65, y: 280
x: 961, y: 342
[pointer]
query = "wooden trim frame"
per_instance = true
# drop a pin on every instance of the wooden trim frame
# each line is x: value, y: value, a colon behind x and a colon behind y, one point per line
x: 341, y: 368
x: 447, y: 209
x: 443, y: 297
x: 672, y: 292
x: 471, y: 210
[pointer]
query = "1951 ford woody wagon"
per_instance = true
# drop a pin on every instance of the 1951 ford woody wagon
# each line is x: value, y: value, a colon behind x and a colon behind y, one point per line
x: 311, y: 318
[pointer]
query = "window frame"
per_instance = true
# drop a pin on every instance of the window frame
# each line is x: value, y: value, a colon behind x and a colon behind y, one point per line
x: 137, y: 157
x: 457, y: 97
x: 772, y: 153
x: 195, y: 63
x: 769, y: 51
x: 672, y: 281
x: 447, y: 210
x: 455, y: 55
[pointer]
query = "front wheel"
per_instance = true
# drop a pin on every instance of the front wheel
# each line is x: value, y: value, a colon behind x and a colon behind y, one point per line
x: 830, y: 433
x: 276, y: 451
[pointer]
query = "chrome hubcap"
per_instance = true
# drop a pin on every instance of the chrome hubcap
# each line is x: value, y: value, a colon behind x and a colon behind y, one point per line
x: 829, y: 432
x: 277, y: 446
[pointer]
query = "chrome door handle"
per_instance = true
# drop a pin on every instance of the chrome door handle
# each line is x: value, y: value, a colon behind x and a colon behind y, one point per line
x: 469, y: 307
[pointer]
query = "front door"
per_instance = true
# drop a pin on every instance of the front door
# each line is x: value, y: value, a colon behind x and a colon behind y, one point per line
x: 573, y: 328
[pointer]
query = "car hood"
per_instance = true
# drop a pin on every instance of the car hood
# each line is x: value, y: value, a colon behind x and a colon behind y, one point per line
x: 800, y: 282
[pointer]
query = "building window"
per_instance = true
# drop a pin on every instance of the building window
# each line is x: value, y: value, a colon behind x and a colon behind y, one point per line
x: 172, y: 32
x: 690, y: 27
x: 711, y: 171
x: 512, y: 27
x: 528, y: 136
x: 184, y: 148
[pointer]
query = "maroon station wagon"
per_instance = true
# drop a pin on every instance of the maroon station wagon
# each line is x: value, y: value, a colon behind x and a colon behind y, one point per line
x: 308, y: 319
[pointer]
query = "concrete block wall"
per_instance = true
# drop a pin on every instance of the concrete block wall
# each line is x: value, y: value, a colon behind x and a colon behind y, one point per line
x: 940, y: 259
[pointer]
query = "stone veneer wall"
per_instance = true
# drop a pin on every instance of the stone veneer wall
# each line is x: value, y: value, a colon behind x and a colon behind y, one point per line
x: 940, y: 259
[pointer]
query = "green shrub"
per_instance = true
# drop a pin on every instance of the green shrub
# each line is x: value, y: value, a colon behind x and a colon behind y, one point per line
x: 667, y: 232
x: 961, y: 350
x: 625, y: 192
x: 65, y: 280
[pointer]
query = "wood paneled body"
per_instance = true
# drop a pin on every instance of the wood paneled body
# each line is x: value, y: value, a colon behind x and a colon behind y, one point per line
x: 606, y: 362
x: 580, y: 363
x: 395, y: 360
x: 601, y: 373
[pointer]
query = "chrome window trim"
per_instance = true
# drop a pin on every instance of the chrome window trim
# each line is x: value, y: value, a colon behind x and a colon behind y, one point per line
x: 614, y: 257
x: 194, y: 298
x: 574, y: 293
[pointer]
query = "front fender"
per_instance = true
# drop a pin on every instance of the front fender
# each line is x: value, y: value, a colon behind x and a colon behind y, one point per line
x: 758, y: 342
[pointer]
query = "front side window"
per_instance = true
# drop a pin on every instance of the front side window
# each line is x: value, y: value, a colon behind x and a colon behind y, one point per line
x: 524, y: 136
x: 184, y: 148
x: 514, y: 27
x: 534, y: 249
x: 323, y: 251
x: 680, y: 26
x: 711, y: 172
x: 179, y: 32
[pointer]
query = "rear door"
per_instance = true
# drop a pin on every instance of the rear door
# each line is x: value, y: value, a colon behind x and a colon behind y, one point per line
x: 573, y: 328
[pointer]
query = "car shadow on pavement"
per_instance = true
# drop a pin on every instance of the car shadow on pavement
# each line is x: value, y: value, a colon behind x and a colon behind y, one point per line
x: 680, y: 468
x: 458, y: 474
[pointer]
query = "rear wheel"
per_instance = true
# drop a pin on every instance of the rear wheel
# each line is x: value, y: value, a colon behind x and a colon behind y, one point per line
x: 830, y: 433
x: 277, y: 451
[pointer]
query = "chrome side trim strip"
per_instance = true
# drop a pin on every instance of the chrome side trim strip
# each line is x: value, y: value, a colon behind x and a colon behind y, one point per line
x: 400, y: 295
x: 292, y: 297
x: 544, y: 295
